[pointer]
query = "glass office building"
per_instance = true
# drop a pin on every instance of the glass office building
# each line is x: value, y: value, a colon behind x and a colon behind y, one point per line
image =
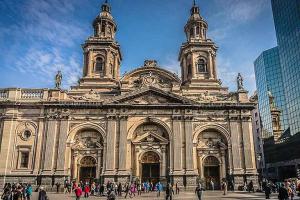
x: 287, y: 24
x: 269, y: 79
x: 278, y: 69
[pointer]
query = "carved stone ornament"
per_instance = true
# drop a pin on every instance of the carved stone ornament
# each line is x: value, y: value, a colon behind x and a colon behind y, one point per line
x: 25, y: 130
x: 87, y: 140
x: 148, y: 99
x: 150, y: 63
x: 90, y: 96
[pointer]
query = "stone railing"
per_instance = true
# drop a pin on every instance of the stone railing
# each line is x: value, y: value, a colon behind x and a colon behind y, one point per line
x: 3, y: 94
x: 32, y: 94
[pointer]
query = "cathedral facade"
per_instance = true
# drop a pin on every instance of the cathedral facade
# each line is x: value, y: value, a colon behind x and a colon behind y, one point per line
x: 147, y: 125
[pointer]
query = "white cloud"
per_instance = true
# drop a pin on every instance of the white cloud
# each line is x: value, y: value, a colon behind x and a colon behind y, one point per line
x: 171, y: 64
x: 232, y: 13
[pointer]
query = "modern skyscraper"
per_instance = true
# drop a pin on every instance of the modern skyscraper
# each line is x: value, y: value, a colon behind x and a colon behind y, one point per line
x: 269, y: 79
x: 287, y: 24
x: 278, y: 69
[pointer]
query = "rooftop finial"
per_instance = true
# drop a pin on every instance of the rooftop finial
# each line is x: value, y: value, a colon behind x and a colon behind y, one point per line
x: 194, y: 2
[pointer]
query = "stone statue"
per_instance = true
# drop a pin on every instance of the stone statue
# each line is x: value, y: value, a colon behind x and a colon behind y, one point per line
x: 240, y: 80
x: 58, y: 79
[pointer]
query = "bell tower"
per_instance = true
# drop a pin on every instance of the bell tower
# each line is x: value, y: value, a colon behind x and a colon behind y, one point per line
x: 197, y: 55
x: 101, y: 54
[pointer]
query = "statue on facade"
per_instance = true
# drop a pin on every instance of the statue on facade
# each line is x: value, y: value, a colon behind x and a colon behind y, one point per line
x: 240, y: 81
x: 58, y: 79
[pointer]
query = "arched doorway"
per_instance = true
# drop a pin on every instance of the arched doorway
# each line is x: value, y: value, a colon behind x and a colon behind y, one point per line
x: 150, y: 150
x: 212, y: 172
x: 87, y: 169
x: 87, y: 155
x: 150, y: 167
x: 212, y: 155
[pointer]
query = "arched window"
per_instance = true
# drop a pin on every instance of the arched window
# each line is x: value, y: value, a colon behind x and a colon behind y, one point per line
x: 202, y: 67
x: 197, y: 30
x: 99, y: 65
x: 192, y: 32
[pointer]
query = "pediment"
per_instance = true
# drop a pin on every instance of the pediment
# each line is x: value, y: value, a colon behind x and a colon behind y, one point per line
x: 150, y: 137
x: 151, y: 95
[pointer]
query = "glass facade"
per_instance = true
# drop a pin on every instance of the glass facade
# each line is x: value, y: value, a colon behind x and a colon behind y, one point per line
x: 269, y: 78
x: 287, y: 24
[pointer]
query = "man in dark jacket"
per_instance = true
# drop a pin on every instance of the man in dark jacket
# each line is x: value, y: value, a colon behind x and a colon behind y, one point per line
x: 42, y: 194
x: 283, y: 193
x: 199, y: 191
x: 169, y: 192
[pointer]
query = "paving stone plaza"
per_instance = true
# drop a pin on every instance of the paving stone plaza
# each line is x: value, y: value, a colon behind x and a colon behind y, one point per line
x: 207, y: 195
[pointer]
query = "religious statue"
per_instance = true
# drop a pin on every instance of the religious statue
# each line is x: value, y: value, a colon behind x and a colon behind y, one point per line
x: 240, y: 80
x: 58, y: 79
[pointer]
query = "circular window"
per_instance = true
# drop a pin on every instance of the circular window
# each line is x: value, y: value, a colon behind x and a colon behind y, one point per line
x: 26, y: 134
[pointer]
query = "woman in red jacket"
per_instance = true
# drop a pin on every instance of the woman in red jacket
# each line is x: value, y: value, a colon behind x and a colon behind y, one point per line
x: 86, y: 191
x: 78, y: 192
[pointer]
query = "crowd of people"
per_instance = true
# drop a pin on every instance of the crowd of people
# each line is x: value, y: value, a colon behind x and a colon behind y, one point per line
x: 14, y: 191
x: 286, y: 190
x: 113, y: 189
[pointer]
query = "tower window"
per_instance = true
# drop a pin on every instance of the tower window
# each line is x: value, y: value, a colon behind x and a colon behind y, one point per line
x: 24, y: 159
x: 99, y: 65
x: 192, y: 32
x: 202, y: 66
x: 198, y: 30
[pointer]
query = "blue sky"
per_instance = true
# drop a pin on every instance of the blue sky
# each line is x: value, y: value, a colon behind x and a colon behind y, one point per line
x: 39, y: 37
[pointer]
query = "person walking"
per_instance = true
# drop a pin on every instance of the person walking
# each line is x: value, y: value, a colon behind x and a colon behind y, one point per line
x: 159, y: 188
x: 126, y: 190
x: 169, y: 192
x: 28, y: 192
x: 283, y: 193
x: 139, y: 189
x: 267, y: 189
x: 212, y: 184
x: 18, y: 193
x: 120, y: 190
x: 42, y: 194
x: 224, y: 187
x: 86, y: 191
x: 57, y: 187
x: 250, y: 186
x: 177, y: 188
x: 199, y: 191
x: 132, y: 189
x: 78, y: 192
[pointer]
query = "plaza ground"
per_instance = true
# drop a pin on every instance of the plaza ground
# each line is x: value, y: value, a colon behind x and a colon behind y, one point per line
x: 211, y: 195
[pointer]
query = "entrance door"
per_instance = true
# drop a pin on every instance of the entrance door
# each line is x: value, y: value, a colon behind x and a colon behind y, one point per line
x: 212, y: 173
x: 87, y: 169
x: 87, y: 174
x: 150, y: 172
x: 150, y: 167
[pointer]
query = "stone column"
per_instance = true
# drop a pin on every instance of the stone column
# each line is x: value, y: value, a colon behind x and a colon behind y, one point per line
x: 223, y: 166
x: 104, y: 157
x: 164, y: 162
x: 111, y: 145
x: 137, y: 162
x: 189, y: 143
x: 211, y: 67
x: 63, y: 134
x: 177, y: 144
x: 90, y: 62
x: 235, y: 139
x: 40, y: 138
x: 249, y: 153
x: 123, y: 144
x: 50, y: 145
x: 193, y: 64
x: 98, y: 170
